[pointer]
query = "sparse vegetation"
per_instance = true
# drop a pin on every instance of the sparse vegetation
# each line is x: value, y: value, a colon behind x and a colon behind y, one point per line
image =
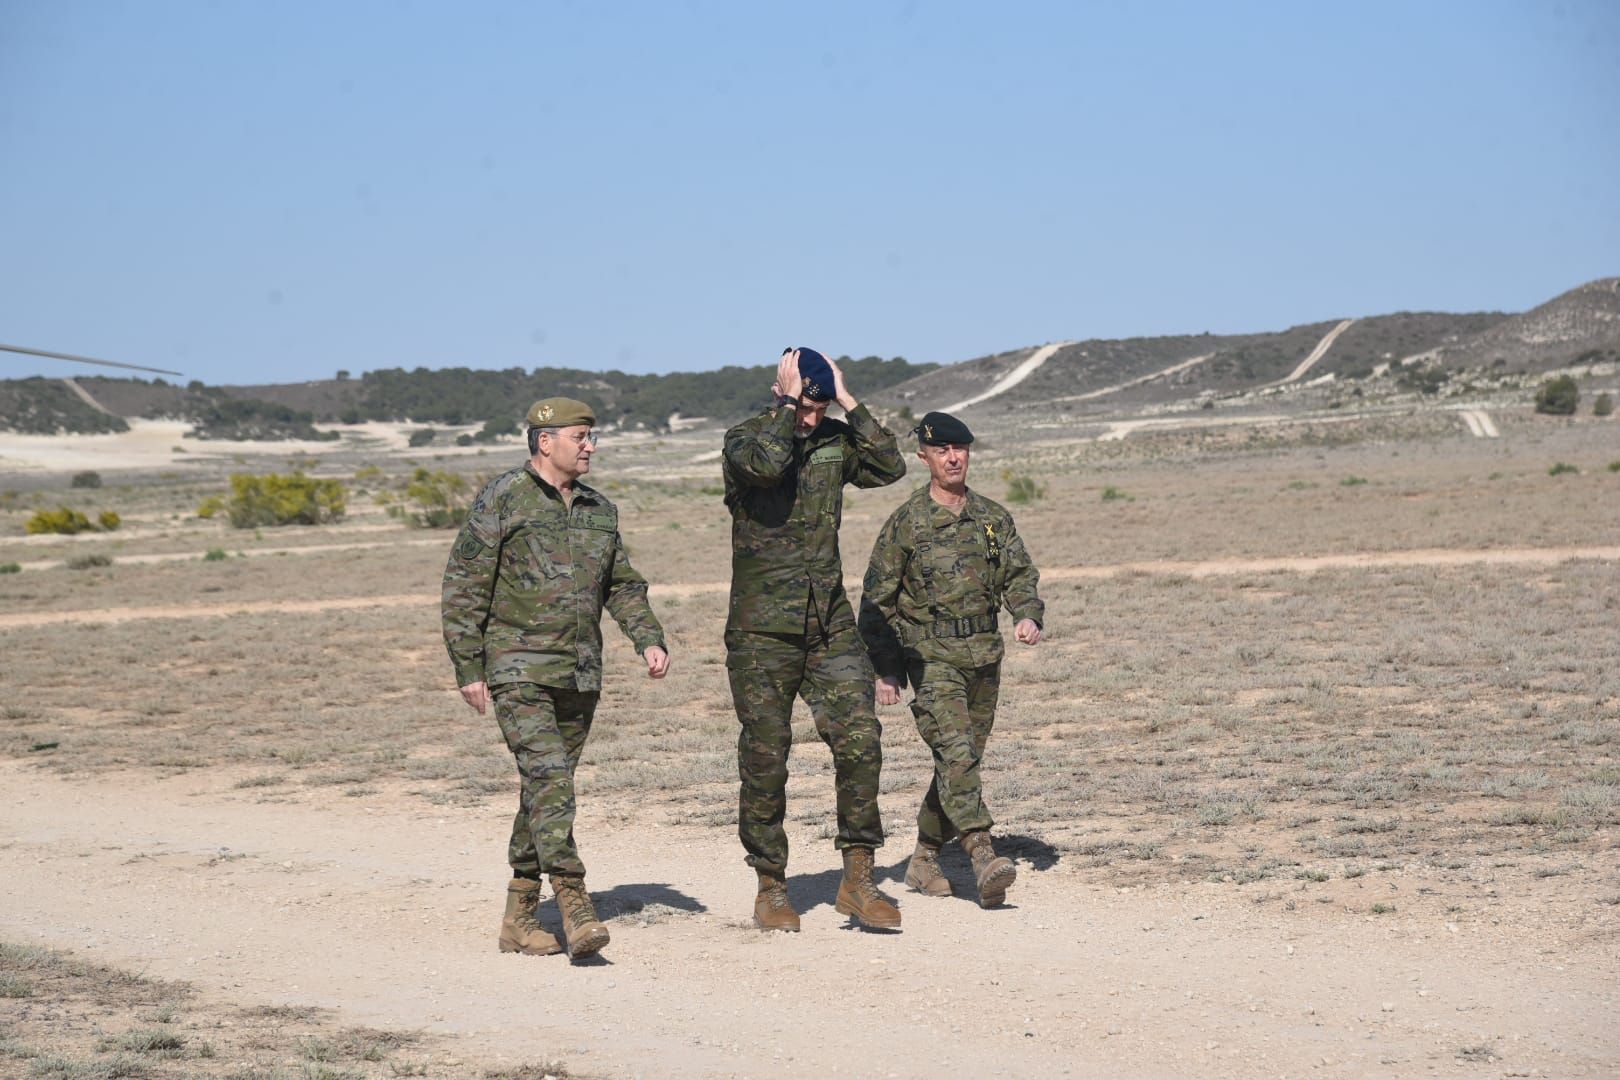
x: 1603, y: 405
x: 1558, y: 397
x: 1022, y: 489
x: 109, y: 520
x: 89, y: 561
x: 421, y: 436
x: 434, y: 500
x: 1114, y: 494
x: 215, y: 555
x: 283, y: 499
x: 1560, y: 468
x: 10, y: 568
x: 63, y: 521
x: 87, y: 479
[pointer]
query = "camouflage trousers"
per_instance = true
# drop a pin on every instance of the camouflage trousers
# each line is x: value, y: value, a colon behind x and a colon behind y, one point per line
x: 834, y: 676
x: 955, y: 709
x: 545, y: 728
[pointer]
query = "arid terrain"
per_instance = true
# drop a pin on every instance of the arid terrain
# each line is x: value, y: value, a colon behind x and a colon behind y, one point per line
x: 1316, y: 773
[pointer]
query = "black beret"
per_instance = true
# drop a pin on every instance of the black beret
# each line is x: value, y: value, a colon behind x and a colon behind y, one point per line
x: 817, y: 375
x: 942, y: 429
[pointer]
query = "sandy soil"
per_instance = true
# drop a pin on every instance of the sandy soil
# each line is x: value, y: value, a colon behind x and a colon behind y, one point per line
x: 387, y: 910
x: 1302, y: 564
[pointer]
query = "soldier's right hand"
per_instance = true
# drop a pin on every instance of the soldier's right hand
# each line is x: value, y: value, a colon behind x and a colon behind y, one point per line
x: 888, y: 690
x: 476, y: 695
x: 789, y: 382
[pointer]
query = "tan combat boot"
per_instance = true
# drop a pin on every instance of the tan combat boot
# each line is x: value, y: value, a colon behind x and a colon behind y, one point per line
x: 923, y: 873
x: 993, y: 872
x: 585, y: 934
x: 858, y: 895
x: 520, y: 933
x: 772, y: 909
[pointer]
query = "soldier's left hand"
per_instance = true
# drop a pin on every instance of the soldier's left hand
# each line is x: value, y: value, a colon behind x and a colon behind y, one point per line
x: 841, y: 394
x: 657, y: 662
x: 1028, y: 631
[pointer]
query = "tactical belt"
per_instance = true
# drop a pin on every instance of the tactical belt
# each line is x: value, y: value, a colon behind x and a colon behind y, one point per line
x: 911, y: 633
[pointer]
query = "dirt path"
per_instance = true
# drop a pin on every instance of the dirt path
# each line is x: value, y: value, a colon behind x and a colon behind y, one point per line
x: 1298, y: 564
x: 1017, y: 375
x: 1117, y: 387
x: 386, y: 911
x: 84, y: 396
x: 1316, y: 354
x: 1480, y: 424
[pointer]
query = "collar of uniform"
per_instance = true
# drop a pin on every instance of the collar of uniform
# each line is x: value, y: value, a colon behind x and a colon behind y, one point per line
x: 942, y: 516
x: 580, y: 487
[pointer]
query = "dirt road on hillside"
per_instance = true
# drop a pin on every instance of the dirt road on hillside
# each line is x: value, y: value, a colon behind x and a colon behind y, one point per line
x: 386, y: 909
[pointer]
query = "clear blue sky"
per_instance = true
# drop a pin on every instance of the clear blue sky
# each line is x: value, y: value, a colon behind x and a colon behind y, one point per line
x: 271, y: 191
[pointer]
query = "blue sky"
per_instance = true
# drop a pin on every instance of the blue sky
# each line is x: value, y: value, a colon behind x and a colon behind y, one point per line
x: 266, y: 192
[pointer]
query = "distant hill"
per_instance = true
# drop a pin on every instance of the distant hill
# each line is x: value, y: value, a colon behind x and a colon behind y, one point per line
x: 450, y: 396
x: 1380, y: 356
x: 1402, y: 353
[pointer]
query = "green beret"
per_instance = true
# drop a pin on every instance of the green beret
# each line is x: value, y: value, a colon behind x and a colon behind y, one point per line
x: 942, y: 429
x: 560, y: 412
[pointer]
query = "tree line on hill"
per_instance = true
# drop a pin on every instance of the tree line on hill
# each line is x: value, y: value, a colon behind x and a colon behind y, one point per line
x: 446, y: 396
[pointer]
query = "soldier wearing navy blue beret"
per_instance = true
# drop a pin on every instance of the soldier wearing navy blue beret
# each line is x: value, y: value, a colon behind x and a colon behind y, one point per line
x: 791, y: 631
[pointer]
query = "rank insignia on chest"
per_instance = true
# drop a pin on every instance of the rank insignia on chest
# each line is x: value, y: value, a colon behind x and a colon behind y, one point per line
x: 992, y: 542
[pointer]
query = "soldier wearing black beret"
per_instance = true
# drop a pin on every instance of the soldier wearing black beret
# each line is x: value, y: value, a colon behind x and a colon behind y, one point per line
x: 944, y: 565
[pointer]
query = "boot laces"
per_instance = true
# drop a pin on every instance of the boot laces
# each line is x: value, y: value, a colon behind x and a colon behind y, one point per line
x: 576, y: 905
x: 776, y: 895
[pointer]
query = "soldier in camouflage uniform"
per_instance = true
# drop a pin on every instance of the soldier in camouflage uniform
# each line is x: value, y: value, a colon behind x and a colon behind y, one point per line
x: 538, y: 558
x: 943, y: 565
x: 791, y: 631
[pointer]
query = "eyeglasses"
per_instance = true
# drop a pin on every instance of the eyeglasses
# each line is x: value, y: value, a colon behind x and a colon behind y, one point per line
x: 579, y: 438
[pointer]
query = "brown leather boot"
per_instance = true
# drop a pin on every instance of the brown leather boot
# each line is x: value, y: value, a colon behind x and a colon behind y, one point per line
x: 772, y: 908
x: 993, y: 872
x: 923, y: 873
x: 585, y: 934
x: 520, y: 933
x: 858, y: 894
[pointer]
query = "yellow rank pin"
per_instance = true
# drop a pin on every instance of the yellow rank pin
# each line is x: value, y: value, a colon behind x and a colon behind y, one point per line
x: 545, y: 413
x: 992, y: 540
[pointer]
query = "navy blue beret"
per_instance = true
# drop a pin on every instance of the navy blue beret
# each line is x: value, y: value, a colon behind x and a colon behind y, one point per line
x: 942, y: 429
x: 817, y: 375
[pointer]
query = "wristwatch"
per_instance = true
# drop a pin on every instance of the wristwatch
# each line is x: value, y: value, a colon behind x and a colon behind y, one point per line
x: 784, y: 400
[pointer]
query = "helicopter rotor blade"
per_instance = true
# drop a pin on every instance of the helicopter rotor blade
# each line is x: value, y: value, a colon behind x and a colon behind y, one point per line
x: 86, y: 360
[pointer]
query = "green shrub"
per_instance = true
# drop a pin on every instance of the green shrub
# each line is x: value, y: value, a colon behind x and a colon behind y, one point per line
x: 109, y: 520
x: 1022, y: 489
x: 10, y: 568
x: 210, y: 506
x: 1352, y: 481
x: 1558, y: 397
x: 215, y: 555
x: 1604, y: 405
x: 1113, y: 494
x: 85, y: 562
x: 62, y: 520
x: 1614, y: 466
x: 87, y: 479
x: 283, y: 499
x: 421, y: 436
x: 433, y: 500
x: 1561, y: 468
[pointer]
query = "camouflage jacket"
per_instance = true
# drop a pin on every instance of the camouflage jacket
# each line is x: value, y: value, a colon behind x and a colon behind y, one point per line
x: 526, y: 583
x: 786, y: 497
x: 936, y: 581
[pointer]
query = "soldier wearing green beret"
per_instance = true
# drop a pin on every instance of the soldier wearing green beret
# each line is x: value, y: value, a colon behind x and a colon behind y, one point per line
x: 791, y: 630
x: 944, y: 564
x: 536, y: 561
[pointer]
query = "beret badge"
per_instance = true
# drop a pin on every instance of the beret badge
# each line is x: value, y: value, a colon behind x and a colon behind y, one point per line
x: 546, y: 412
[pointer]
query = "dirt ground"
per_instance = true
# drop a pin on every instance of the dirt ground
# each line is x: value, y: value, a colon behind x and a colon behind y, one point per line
x: 1316, y: 775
